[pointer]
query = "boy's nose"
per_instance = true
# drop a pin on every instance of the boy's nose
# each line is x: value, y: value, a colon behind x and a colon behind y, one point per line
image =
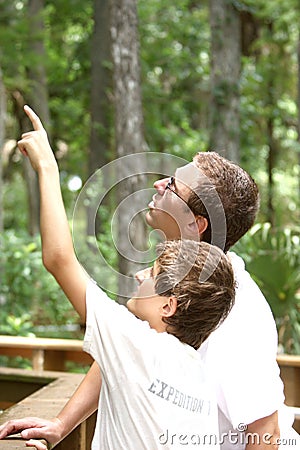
x: 143, y: 275
x: 160, y: 185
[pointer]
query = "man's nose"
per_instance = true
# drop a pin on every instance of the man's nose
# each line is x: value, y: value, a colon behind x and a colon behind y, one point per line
x: 160, y: 185
x: 143, y: 275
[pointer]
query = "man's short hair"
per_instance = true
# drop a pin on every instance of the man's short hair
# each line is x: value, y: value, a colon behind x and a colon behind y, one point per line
x: 236, y: 189
x: 201, y: 305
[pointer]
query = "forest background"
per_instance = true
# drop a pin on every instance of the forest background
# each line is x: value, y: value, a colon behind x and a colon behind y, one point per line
x: 115, y: 77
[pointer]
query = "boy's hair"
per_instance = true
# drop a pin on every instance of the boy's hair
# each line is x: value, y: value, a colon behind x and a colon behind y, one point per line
x: 237, y: 191
x: 201, y: 305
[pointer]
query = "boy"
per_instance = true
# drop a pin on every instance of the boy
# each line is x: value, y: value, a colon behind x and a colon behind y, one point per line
x: 154, y: 394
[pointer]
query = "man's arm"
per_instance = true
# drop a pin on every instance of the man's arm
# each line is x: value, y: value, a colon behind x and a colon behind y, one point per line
x: 80, y: 406
x: 264, y: 433
x: 57, y: 247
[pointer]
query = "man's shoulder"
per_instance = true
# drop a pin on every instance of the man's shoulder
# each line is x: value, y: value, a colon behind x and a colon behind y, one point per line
x: 237, y: 262
x: 246, y: 287
x: 250, y: 309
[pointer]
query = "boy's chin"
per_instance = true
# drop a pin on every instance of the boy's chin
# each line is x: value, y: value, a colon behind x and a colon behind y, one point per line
x: 129, y: 304
x: 130, y: 307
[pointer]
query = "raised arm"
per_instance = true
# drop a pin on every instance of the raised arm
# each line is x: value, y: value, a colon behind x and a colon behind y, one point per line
x: 57, y: 247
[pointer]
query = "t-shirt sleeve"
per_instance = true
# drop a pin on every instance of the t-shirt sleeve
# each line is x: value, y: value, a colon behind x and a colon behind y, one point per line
x: 114, y: 337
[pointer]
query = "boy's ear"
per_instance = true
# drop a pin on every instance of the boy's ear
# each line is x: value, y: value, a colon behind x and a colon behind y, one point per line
x: 169, y: 307
x: 198, y: 226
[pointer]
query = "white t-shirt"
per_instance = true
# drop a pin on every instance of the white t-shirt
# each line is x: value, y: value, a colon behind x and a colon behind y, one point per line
x: 155, y: 394
x: 240, y: 356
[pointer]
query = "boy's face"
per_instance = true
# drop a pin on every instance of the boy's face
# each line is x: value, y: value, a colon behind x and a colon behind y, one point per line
x: 146, y: 304
x: 168, y: 211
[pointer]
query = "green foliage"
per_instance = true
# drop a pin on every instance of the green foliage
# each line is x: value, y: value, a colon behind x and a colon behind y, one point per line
x: 28, y: 293
x: 14, y: 193
x: 17, y: 326
x: 95, y: 254
x: 68, y: 69
x: 175, y: 75
x: 273, y: 259
x: 18, y: 362
x: 269, y: 95
x: 13, y: 32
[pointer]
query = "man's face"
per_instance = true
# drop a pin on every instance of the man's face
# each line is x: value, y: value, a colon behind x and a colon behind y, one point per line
x: 146, y: 304
x: 168, y: 211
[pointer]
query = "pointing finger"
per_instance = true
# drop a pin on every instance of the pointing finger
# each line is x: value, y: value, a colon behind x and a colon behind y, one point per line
x: 35, y: 120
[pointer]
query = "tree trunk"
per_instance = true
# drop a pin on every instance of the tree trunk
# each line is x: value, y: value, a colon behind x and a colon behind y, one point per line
x: 225, y: 27
x: 38, y: 99
x: 2, y: 139
x: 271, y: 163
x: 129, y: 135
x: 271, y: 141
x: 101, y: 84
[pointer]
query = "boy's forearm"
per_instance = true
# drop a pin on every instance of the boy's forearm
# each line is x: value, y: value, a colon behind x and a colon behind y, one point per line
x: 57, y: 246
x: 83, y: 403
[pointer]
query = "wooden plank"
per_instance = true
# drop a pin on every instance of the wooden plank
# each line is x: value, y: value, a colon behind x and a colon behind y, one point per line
x: 42, y: 343
x: 291, y: 380
x: 54, y: 360
x: 44, y: 403
x: 38, y: 359
x: 16, y: 351
x: 288, y: 360
x: 290, y: 375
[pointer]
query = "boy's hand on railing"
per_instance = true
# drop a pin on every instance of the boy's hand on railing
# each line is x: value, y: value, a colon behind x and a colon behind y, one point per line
x: 35, y: 144
x: 33, y: 428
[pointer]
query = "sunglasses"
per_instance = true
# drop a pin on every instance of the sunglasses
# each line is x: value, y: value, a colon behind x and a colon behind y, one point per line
x: 169, y: 186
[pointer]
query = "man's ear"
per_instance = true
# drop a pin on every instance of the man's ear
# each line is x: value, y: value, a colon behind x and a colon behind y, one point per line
x: 198, y: 226
x: 169, y: 308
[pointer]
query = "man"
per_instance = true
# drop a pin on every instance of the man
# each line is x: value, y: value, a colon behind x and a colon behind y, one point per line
x: 241, y: 354
x: 249, y: 395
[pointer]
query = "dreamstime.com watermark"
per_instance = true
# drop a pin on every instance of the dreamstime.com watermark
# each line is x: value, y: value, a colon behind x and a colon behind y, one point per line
x: 233, y: 437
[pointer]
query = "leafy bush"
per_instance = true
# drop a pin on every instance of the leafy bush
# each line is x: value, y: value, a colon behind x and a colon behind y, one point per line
x: 27, y: 288
x: 272, y: 257
x: 17, y: 326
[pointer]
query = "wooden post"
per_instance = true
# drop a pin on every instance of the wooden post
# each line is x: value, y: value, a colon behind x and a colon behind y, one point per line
x: 38, y: 360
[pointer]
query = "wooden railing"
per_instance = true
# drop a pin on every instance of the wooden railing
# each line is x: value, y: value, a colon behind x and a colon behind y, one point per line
x: 290, y: 374
x: 45, y: 353
x: 49, y: 393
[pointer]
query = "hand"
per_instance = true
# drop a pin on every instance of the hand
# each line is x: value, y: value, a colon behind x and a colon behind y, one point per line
x: 32, y: 428
x: 39, y: 445
x: 35, y: 144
